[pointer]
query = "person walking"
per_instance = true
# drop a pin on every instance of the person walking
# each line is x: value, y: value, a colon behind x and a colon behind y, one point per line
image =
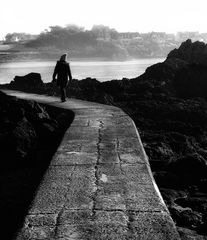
x: 63, y: 73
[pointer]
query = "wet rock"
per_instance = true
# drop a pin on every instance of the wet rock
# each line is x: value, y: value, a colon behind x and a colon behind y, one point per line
x: 185, y: 217
x: 187, y: 234
x: 197, y: 202
x: 170, y: 195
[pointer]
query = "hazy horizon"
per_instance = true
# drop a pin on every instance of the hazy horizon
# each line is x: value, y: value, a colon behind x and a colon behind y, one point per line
x: 125, y: 16
x: 89, y: 29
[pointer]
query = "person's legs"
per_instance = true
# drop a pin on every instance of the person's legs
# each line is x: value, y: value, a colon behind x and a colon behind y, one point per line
x: 63, y: 93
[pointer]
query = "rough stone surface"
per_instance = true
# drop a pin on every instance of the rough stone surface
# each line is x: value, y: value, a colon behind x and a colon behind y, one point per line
x: 99, y: 185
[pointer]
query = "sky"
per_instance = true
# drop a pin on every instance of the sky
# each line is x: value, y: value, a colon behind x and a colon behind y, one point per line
x: 34, y: 16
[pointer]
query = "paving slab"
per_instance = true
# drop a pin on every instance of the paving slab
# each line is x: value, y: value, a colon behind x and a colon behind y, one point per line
x: 99, y: 184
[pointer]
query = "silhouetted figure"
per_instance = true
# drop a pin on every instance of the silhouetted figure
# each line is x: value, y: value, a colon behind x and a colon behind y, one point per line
x: 63, y: 73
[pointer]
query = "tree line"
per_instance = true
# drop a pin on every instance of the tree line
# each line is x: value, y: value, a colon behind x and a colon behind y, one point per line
x: 101, y: 41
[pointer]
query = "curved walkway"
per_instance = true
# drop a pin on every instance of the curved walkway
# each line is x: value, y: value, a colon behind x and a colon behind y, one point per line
x: 99, y: 184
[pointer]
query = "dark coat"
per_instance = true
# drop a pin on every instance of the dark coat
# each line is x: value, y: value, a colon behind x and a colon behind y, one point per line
x: 62, y: 71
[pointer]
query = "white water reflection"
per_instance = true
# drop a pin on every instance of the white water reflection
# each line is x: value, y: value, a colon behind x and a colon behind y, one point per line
x: 101, y: 70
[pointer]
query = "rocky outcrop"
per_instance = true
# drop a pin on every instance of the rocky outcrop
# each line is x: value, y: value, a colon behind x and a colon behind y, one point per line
x: 25, y: 127
x: 29, y: 82
x: 18, y: 135
x: 191, y: 52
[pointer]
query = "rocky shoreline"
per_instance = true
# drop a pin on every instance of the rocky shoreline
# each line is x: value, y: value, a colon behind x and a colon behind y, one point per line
x: 29, y: 136
x: 168, y: 104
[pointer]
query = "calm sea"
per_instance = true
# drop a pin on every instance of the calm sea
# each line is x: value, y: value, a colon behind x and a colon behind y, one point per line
x: 101, y: 70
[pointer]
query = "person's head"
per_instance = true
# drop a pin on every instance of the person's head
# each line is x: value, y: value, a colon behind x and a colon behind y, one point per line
x: 63, y: 57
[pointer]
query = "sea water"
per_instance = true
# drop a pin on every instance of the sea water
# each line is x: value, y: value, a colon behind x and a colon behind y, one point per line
x: 101, y: 70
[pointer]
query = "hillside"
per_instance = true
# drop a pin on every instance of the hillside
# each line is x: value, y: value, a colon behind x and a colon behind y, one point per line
x: 99, y: 42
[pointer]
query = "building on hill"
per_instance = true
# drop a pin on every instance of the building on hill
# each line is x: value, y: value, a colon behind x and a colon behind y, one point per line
x: 127, y: 37
x: 19, y: 37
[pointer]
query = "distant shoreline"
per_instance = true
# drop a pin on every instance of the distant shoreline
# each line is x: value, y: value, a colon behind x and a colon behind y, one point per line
x: 81, y: 68
x: 9, y: 54
x: 25, y: 57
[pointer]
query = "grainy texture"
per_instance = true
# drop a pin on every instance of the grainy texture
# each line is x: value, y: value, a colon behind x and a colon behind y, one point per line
x: 99, y: 184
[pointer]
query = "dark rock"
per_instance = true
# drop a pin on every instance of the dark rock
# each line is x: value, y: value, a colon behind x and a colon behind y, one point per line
x: 186, y: 234
x: 165, y: 179
x: 29, y: 82
x: 185, y: 217
x: 10, y: 108
x: 191, y: 52
x: 16, y: 143
x: 202, y: 185
x: 197, y: 202
x: 192, y: 165
x: 23, y: 139
x: 190, y: 81
x: 35, y: 112
x: 170, y: 195
x: 160, y: 154
x: 25, y: 126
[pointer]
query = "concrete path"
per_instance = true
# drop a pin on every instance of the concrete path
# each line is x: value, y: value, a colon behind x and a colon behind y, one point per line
x: 99, y: 184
